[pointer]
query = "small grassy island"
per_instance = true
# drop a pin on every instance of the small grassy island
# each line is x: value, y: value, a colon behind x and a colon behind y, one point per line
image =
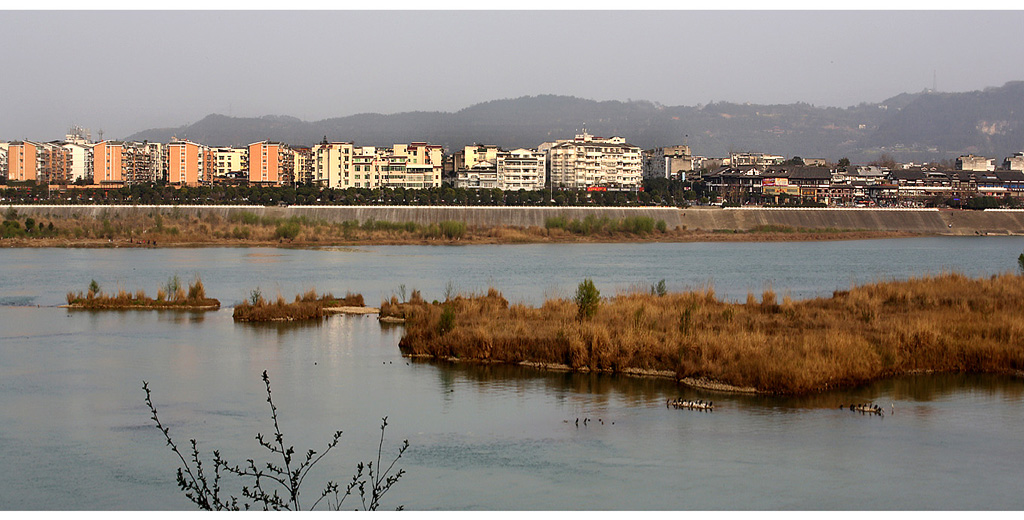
x: 171, y: 296
x: 306, y: 306
x: 946, y: 323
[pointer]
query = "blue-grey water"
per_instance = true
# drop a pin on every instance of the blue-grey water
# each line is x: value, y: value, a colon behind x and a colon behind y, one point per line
x: 75, y: 432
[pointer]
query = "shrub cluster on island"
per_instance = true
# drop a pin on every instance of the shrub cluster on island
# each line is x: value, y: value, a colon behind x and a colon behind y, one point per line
x: 171, y: 295
x: 306, y: 306
x: 946, y: 323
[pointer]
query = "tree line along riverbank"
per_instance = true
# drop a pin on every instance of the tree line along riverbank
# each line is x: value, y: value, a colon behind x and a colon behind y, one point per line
x: 946, y: 323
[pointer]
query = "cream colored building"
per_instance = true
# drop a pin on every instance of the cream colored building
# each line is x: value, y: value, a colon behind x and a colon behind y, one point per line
x: 332, y: 164
x: 471, y: 155
x: 521, y: 169
x: 230, y: 160
x: 973, y: 163
x: 344, y: 165
x: 80, y: 156
x: 737, y: 159
x: 302, y: 165
x: 415, y: 166
x: 587, y: 161
x: 482, y: 175
x: 1014, y: 162
x: 668, y: 162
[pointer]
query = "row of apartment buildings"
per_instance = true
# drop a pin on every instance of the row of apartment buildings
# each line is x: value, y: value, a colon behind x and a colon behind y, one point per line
x: 861, y: 184
x: 582, y: 162
x: 119, y: 163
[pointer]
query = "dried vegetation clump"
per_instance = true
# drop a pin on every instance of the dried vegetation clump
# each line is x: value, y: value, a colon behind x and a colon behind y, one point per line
x: 170, y: 295
x: 306, y: 306
x: 946, y: 323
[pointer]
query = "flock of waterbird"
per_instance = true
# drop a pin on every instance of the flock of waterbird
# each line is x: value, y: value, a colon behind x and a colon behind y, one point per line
x: 709, y: 406
x: 869, y: 408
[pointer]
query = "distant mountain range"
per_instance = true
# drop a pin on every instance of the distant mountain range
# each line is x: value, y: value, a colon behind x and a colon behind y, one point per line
x: 921, y: 127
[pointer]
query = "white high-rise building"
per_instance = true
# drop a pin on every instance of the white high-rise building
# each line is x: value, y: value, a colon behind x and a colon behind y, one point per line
x: 521, y: 169
x: 332, y: 164
x: 587, y: 161
x: 80, y: 159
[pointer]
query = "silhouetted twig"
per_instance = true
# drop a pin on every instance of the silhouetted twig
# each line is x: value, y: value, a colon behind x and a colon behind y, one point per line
x: 285, y: 479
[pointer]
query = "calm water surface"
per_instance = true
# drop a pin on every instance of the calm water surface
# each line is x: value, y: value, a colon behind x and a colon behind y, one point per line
x: 75, y: 432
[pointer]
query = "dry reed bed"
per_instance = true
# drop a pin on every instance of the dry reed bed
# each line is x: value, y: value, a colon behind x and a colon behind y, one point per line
x: 946, y: 323
x: 306, y: 306
x: 170, y: 296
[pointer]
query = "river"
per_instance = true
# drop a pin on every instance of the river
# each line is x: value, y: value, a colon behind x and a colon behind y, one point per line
x: 75, y: 432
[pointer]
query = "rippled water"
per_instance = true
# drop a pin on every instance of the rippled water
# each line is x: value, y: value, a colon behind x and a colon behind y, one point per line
x: 75, y: 432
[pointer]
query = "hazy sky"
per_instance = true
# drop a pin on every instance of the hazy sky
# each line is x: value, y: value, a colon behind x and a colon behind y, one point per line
x: 128, y: 71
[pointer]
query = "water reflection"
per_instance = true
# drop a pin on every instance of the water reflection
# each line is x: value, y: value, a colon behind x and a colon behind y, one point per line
x: 603, y: 389
x: 495, y: 378
x: 282, y: 328
x: 124, y: 316
x: 17, y: 301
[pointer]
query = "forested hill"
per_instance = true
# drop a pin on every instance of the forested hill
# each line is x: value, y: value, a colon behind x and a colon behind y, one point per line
x: 922, y: 126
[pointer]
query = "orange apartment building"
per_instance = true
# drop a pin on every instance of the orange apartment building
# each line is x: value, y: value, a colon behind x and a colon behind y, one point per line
x: 108, y: 163
x: 21, y: 161
x: 270, y: 164
x: 188, y: 163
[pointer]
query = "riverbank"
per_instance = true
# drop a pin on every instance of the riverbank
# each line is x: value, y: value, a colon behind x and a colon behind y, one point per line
x: 316, y: 226
x: 947, y: 323
x: 746, y: 218
x: 502, y: 235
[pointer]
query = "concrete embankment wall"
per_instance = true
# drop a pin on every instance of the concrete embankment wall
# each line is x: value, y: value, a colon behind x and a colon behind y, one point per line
x: 472, y: 215
x: 706, y: 219
x: 910, y: 220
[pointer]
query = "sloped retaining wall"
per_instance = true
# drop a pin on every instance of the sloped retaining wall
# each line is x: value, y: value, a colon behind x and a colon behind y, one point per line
x: 707, y: 219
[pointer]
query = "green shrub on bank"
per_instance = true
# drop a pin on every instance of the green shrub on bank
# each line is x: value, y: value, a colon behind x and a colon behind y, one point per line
x: 12, y: 229
x: 452, y: 229
x: 288, y: 230
x: 593, y: 224
x: 587, y: 299
x: 637, y: 225
x: 559, y: 222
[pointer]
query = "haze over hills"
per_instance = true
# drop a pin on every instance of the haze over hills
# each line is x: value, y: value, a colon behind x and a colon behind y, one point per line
x: 920, y: 127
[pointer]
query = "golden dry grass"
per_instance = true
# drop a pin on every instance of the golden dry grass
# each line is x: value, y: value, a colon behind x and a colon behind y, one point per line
x: 195, y: 297
x: 946, y: 323
x: 306, y: 306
